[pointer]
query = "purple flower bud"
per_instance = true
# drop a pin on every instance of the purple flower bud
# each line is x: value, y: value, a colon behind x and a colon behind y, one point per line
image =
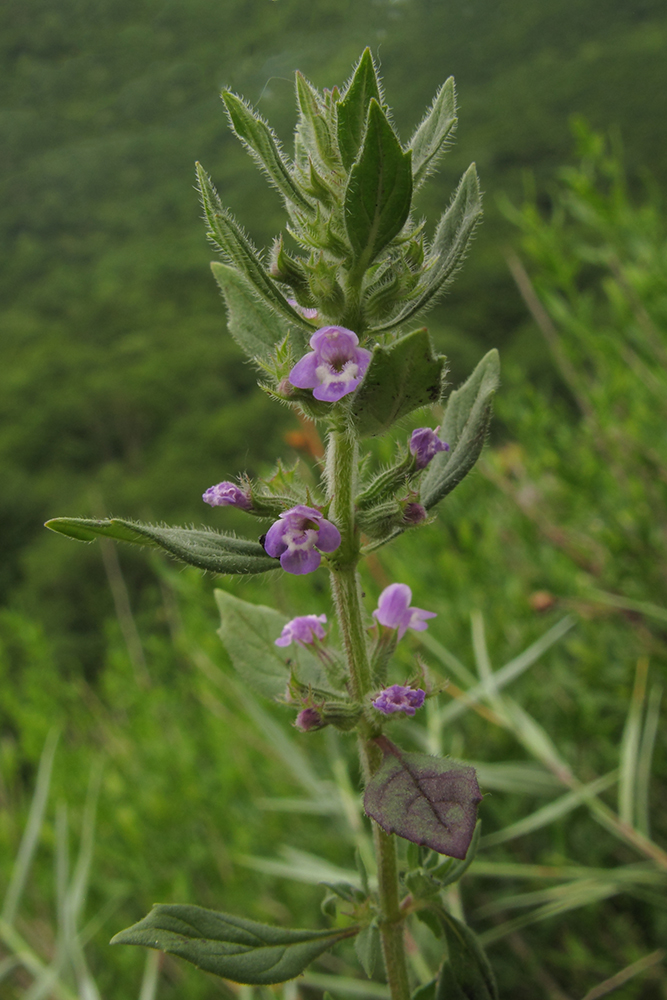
x: 399, y: 699
x: 334, y: 367
x: 227, y: 495
x: 297, y: 536
x: 424, y: 444
x: 394, y: 610
x: 302, y: 630
x: 304, y: 310
x: 309, y: 719
x: 414, y: 513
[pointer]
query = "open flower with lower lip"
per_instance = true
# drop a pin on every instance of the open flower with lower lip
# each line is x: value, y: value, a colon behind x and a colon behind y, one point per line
x: 334, y: 367
x: 296, y: 538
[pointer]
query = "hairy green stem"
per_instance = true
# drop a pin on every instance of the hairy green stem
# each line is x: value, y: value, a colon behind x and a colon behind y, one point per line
x: 342, y: 464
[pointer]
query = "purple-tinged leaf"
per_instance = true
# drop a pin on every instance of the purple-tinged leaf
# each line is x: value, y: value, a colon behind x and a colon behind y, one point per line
x: 430, y: 801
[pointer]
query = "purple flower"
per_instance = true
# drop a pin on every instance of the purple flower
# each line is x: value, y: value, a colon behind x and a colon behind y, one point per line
x: 304, y: 310
x: 305, y: 629
x: 334, y: 367
x: 424, y: 444
x: 297, y: 536
x: 227, y: 495
x: 309, y: 719
x: 399, y: 699
x: 394, y: 610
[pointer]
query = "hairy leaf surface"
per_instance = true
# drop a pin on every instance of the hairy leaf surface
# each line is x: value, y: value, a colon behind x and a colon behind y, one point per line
x: 400, y: 378
x: 352, y: 110
x: 464, y: 428
x: 231, y: 947
x: 428, y: 800
x: 379, y: 190
x: 209, y: 550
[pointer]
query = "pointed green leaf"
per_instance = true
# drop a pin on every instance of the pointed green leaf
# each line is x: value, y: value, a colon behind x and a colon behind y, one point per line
x: 248, y: 632
x: 262, y: 143
x: 228, y: 236
x: 231, y: 947
x: 428, y: 142
x: 466, y: 974
x: 449, y: 247
x: 379, y: 190
x: 312, y: 126
x: 352, y: 110
x: 427, y: 800
x: 368, y: 948
x: 400, y: 378
x: 253, y: 325
x: 206, y: 549
x: 464, y: 428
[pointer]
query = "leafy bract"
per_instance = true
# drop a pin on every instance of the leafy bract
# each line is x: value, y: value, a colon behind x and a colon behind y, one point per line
x: 400, y: 378
x: 448, y: 249
x: 428, y: 800
x: 464, y: 428
x: 206, y: 549
x: 466, y: 974
x: 256, y: 135
x: 231, y: 947
x: 312, y: 128
x: 253, y: 325
x: 228, y: 236
x: 429, y: 140
x: 352, y: 109
x: 379, y: 189
x: 248, y: 633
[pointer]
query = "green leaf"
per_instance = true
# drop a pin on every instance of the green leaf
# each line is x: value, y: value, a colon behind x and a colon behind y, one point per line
x: 262, y: 143
x: 428, y: 142
x: 228, y: 236
x: 248, y: 633
x: 426, y: 991
x: 400, y: 378
x: 448, y: 249
x: 466, y: 974
x: 379, y: 190
x: 231, y: 947
x: 368, y: 948
x: 352, y: 110
x: 253, y: 325
x: 312, y: 126
x: 427, y: 800
x: 206, y: 549
x: 464, y: 428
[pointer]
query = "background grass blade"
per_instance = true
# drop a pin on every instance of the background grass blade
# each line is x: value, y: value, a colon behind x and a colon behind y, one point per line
x: 32, y: 831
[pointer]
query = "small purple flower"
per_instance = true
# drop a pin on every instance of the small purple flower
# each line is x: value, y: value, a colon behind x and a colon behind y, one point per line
x: 334, y: 367
x: 297, y: 536
x: 309, y: 719
x: 302, y: 630
x: 399, y: 699
x: 394, y: 610
x: 424, y: 444
x: 227, y: 495
x: 304, y: 310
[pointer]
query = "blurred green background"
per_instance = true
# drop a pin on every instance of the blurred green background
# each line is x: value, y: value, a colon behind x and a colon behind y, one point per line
x: 120, y: 392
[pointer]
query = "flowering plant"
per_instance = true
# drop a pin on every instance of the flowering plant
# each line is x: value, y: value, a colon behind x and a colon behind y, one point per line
x: 325, y: 323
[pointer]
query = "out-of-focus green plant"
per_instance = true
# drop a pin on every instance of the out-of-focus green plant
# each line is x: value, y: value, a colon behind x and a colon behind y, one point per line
x: 595, y: 282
